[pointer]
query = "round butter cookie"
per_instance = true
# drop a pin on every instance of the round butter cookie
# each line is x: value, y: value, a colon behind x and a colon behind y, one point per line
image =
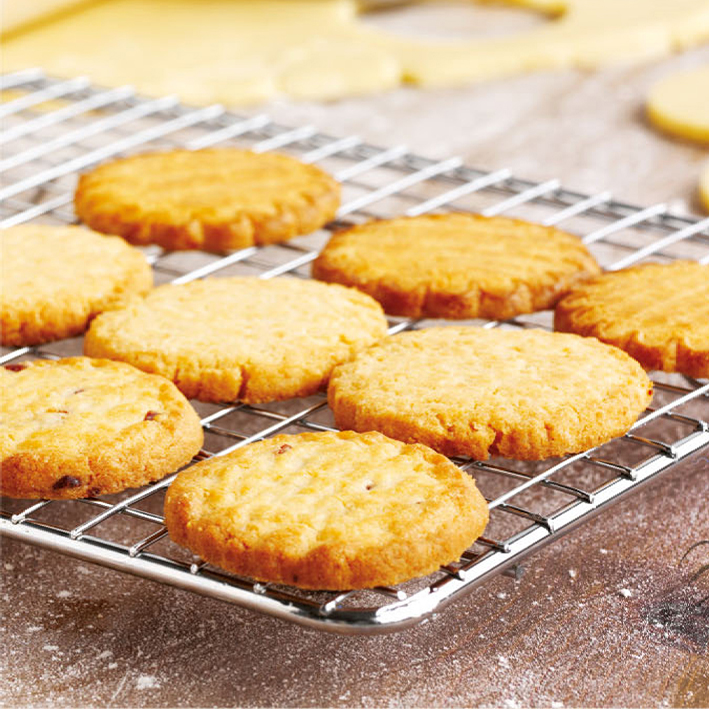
x: 475, y: 392
x: 332, y: 511
x: 456, y: 265
x: 657, y: 313
x: 54, y: 279
x: 247, y: 339
x: 81, y: 427
x: 214, y: 199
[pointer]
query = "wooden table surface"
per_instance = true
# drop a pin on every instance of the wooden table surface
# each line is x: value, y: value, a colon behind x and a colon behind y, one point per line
x: 604, y: 617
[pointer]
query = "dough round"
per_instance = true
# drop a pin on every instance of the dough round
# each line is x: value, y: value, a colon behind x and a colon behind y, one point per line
x: 223, y: 339
x: 216, y: 199
x: 704, y: 188
x: 679, y: 105
x: 457, y: 265
x: 81, y: 427
x: 327, y: 510
x: 657, y: 313
x: 54, y: 279
x: 474, y: 392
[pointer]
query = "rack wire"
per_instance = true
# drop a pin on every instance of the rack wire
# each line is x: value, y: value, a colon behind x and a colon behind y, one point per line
x: 53, y: 129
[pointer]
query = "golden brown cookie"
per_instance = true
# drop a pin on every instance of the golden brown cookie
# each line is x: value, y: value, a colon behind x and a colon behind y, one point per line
x: 327, y: 510
x: 53, y: 280
x: 657, y: 313
x: 223, y: 339
x: 475, y: 392
x: 81, y: 427
x: 215, y: 199
x: 456, y: 265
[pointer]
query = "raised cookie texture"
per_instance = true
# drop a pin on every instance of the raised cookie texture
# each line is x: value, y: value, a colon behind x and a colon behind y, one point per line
x: 657, y: 313
x: 457, y: 265
x: 327, y: 510
x: 81, y: 427
x: 214, y: 199
x: 477, y: 392
x: 247, y: 339
x: 54, y: 279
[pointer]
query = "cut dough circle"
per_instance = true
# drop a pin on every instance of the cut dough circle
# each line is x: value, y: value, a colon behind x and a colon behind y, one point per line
x: 704, y: 188
x: 679, y: 104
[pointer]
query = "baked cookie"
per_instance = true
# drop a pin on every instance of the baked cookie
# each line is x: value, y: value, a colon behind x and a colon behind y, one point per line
x: 81, y: 427
x: 657, y: 313
x: 54, y: 279
x: 327, y: 510
x: 223, y: 339
x: 475, y: 392
x: 215, y: 199
x: 457, y: 265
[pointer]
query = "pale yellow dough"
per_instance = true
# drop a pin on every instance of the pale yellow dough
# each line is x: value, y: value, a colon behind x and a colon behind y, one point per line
x: 704, y: 188
x: 247, y: 51
x: 679, y: 104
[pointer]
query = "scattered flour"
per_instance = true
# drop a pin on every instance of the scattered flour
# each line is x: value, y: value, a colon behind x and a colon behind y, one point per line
x: 147, y: 682
x: 105, y: 655
x: 63, y: 594
x: 50, y: 648
x: 625, y: 592
x: 573, y: 573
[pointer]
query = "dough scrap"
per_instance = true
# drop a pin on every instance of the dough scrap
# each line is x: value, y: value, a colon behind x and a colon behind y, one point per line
x: 253, y: 50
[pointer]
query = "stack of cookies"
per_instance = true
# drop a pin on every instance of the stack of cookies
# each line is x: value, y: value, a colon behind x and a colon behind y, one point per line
x: 378, y: 502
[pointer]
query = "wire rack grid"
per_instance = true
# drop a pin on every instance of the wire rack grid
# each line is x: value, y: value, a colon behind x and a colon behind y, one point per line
x: 54, y: 128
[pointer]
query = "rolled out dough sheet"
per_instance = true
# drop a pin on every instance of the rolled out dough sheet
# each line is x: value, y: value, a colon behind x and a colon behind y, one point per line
x: 15, y: 14
x: 248, y: 51
x: 679, y: 104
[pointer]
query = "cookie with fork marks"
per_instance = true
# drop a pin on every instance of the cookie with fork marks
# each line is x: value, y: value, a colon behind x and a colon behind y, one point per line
x: 332, y: 511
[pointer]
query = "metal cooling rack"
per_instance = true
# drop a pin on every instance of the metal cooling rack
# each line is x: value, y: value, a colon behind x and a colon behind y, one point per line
x: 53, y: 129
